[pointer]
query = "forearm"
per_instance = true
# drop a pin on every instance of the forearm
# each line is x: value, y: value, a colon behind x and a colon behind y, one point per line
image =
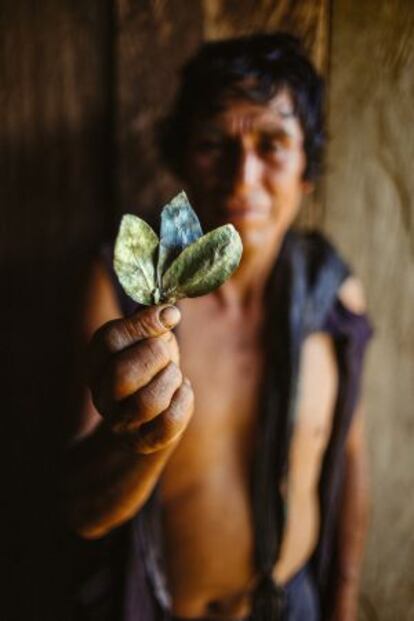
x: 354, y: 523
x: 106, y: 482
x: 354, y: 520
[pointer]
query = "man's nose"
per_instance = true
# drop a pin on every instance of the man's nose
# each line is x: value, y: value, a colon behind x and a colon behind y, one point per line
x: 247, y: 171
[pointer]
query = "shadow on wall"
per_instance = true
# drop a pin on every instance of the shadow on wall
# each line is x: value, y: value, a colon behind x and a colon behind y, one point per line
x: 51, y: 228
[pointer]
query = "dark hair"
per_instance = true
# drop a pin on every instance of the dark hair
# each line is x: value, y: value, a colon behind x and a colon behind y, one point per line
x: 255, y: 68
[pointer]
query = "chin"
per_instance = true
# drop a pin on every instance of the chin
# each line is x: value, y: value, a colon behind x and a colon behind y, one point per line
x: 254, y: 238
x: 260, y: 239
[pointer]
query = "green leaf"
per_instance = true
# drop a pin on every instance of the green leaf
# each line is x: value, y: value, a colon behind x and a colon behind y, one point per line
x: 204, y: 265
x: 180, y: 227
x: 134, y: 259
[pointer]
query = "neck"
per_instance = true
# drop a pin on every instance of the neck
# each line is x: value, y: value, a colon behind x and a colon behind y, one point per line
x: 245, y: 289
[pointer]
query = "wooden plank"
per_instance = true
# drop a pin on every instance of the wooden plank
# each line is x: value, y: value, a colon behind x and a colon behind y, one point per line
x: 370, y: 213
x: 54, y: 100
x: 307, y: 19
x: 154, y: 38
x: 53, y: 182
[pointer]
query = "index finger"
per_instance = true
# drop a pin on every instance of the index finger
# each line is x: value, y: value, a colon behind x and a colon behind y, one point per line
x: 119, y: 334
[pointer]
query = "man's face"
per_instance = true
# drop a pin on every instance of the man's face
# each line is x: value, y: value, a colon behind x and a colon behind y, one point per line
x: 245, y: 166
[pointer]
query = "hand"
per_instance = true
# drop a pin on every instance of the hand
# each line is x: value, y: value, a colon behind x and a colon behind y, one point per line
x: 136, y: 383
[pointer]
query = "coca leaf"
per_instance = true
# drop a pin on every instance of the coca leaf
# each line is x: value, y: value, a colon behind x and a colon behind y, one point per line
x: 204, y: 265
x: 180, y: 227
x: 135, y: 255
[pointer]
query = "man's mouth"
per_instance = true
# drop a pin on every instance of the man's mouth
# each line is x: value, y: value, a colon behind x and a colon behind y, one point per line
x: 244, y: 212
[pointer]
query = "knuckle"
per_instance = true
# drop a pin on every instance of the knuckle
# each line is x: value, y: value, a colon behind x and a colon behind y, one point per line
x: 135, y: 367
x: 147, y: 402
x: 128, y: 416
x: 180, y: 407
x: 110, y: 336
x: 164, y: 430
x: 174, y: 375
x: 129, y: 333
x: 118, y: 334
x: 187, y: 397
x: 151, y: 436
x: 174, y: 350
x: 161, y: 436
x: 169, y: 339
x: 156, y: 352
x: 156, y: 396
x: 161, y: 431
x: 123, y: 379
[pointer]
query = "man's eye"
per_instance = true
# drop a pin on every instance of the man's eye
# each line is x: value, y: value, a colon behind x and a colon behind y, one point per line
x: 270, y: 146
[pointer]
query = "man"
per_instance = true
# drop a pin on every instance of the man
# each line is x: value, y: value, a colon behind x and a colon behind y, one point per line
x: 245, y: 438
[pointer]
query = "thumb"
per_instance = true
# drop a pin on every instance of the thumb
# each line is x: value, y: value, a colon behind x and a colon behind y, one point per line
x: 146, y: 323
x: 119, y: 334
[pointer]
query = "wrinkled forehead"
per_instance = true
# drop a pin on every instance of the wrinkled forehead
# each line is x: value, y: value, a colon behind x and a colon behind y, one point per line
x: 237, y: 114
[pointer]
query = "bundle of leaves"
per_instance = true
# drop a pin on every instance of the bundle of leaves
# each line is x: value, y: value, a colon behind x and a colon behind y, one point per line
x: 181, y: 263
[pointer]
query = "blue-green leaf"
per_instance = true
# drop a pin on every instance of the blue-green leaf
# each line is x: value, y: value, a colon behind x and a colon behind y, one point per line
x: 180, y: 227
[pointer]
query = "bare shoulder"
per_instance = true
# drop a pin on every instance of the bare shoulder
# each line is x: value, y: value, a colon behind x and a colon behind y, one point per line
x: 319, y: 371
x: 352, y: 295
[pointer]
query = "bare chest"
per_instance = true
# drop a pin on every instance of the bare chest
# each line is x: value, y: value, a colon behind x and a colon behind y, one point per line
x: 205, y: 485
x: 224, y: 361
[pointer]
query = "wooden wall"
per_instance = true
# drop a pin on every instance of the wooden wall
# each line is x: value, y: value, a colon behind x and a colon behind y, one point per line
x: 370, y: 212
x: 55, y: 160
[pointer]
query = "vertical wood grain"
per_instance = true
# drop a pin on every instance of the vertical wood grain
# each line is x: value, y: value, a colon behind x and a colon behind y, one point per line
x: 370, y: 213
x: 154, y: 38
x: 307, y: 19
x: 54, y: 184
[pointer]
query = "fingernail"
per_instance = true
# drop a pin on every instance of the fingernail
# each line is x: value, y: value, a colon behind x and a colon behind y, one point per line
x: 169, y: 316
